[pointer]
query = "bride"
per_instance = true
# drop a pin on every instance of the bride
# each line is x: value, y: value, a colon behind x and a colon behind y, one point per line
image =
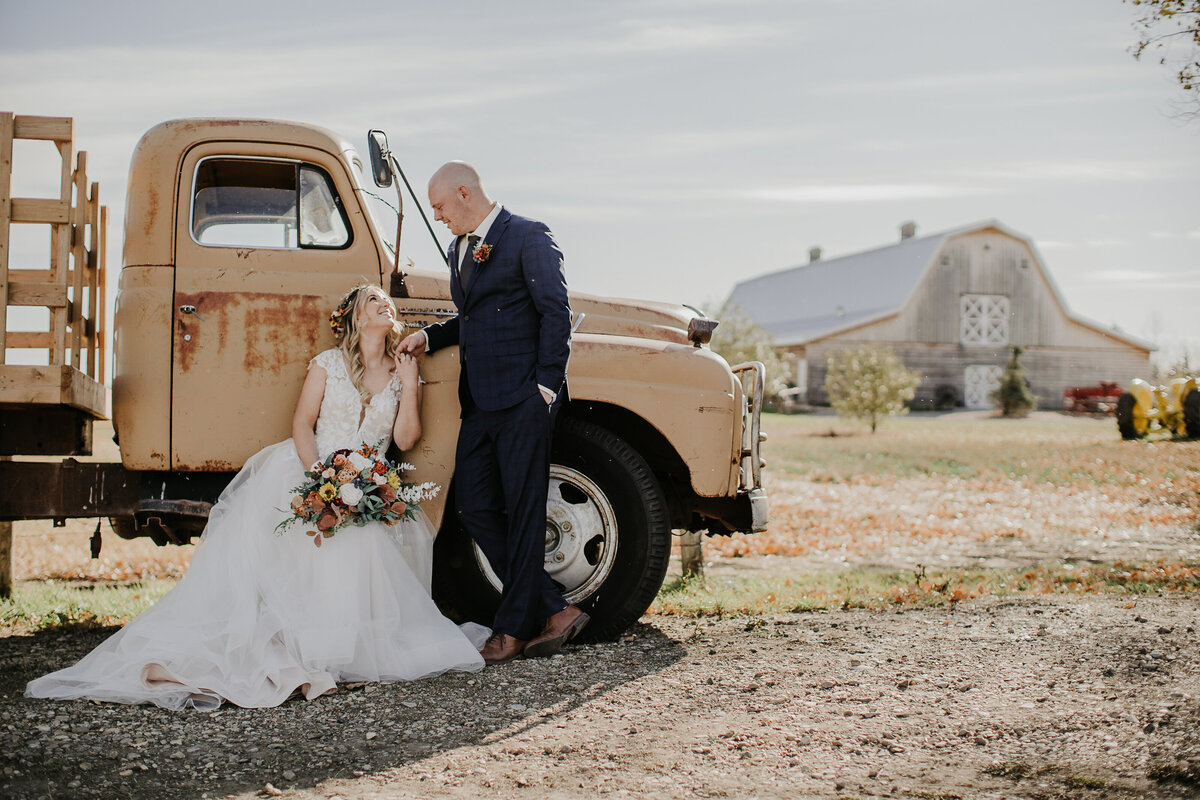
x: 260, y: 616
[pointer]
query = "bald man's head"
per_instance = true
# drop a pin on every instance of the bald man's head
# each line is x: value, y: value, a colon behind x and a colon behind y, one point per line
x: 457, y: 197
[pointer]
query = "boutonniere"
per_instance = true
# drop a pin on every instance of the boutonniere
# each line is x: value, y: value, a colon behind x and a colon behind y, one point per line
x: 481, y: 252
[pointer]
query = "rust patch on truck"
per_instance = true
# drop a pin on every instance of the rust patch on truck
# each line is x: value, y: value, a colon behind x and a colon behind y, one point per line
x: 212, y: 306
x: 278, y: 327
x: 274, y: 327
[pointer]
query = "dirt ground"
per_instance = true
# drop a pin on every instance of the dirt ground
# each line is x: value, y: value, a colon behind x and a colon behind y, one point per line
x: 1051, y: 696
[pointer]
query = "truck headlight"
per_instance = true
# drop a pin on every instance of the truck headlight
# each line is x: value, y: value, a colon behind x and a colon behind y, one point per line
x: 700, y: 330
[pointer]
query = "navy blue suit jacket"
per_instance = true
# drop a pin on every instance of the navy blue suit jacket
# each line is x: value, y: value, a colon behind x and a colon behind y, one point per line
x: 513, y: 326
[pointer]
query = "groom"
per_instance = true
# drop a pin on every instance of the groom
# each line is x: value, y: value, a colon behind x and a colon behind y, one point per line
x: 513, y: 331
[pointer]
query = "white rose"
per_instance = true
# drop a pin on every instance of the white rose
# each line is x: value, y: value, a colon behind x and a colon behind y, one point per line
x: 328, y: 473
x: 351, y: 494
x: 358, y: 461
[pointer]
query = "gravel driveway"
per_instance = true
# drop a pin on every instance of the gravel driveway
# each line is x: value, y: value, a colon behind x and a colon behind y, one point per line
x: 1061, y: 696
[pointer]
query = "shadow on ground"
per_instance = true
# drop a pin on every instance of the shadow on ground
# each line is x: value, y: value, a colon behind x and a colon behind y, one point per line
x: 89, y: 749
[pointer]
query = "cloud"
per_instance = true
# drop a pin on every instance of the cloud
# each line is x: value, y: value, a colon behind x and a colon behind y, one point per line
x: 1169, y: 235
x: 939, y: 82
x: 1079, y: 171
x: 656, y: 36
x: 1151, y: 279
x: 859, y: 193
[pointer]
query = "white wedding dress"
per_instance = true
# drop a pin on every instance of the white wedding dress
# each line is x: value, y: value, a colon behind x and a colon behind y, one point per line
x: 260, y: 615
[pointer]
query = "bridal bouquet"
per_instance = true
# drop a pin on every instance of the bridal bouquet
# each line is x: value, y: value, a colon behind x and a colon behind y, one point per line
x: 354, y: 487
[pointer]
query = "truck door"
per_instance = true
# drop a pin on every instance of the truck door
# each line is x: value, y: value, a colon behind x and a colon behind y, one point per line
x: 264, y: 248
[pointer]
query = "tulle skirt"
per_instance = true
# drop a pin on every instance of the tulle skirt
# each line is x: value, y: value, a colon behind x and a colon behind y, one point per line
x: 260, y: 616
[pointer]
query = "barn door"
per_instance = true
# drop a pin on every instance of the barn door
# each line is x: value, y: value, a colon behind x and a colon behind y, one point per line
x: 979, y: 382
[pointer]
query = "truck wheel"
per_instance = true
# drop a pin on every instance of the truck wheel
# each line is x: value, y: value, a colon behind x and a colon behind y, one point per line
x: 1125, y: 422
x: 608, y: 536
x: 1191, y: 414
x: 123, y: 527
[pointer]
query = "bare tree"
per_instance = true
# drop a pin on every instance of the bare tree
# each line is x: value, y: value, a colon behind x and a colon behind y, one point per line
x: 739, y: 338
x: 1167, y: 24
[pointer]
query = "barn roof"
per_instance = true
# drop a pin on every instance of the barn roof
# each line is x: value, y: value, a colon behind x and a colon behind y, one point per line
x: 800, y: 304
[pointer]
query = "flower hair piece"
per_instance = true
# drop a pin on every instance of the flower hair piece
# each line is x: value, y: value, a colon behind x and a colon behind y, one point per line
x: 481, y: 252
x: 337, y: 318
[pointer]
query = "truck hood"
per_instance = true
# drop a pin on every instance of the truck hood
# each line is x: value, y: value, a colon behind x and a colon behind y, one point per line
x: 645, y: 319
x: 615, y: 316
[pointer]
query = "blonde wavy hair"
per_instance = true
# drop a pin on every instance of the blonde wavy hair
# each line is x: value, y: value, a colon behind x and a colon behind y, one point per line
x: 347, y: 331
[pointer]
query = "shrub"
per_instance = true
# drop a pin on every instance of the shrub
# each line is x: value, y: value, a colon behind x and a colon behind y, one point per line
x: 869, y: 382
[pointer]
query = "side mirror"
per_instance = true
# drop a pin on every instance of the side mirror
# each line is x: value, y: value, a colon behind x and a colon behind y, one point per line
x: 381, y: 168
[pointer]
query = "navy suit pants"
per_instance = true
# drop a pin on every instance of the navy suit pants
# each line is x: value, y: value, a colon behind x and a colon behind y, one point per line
x: 501, y: 476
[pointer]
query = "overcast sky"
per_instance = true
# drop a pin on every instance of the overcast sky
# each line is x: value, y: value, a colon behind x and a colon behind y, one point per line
x: 676, y: 147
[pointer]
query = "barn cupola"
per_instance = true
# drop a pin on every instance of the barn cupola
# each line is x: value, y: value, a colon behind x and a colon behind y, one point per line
x: 908, y: 230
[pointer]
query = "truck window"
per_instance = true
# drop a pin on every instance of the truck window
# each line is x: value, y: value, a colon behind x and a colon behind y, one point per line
x: 249, y: 202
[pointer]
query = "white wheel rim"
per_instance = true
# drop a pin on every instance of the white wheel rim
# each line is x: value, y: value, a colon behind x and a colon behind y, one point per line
x: 581, y: 535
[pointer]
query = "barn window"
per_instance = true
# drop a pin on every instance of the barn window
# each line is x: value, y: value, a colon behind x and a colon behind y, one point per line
x: 984, y: 319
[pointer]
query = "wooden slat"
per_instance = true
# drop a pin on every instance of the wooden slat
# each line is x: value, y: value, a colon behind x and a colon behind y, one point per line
x: 41, y: 385
x: 6, y: 137
x: 58, y: 129
x: 83, y: 392
x: 36, y: 294
x: 94, y: 300
x: 27, y: 339
x: 78, y: 257
x: 101, y: 283
x: 31, y: 275
x: 39, y: 210
x: 60, y: 254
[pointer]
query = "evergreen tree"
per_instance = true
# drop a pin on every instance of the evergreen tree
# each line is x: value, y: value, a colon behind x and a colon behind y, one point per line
x: 1012, y: 396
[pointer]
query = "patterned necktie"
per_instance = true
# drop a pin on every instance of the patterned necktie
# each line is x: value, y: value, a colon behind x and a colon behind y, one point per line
x: 468, y: 262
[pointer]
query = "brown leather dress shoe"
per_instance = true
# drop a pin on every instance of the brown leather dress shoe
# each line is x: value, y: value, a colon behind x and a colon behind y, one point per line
x: 501, y: 647
x: 559, y: 629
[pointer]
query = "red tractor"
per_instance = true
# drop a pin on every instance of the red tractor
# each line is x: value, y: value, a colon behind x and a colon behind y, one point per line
x: 1100, y: 399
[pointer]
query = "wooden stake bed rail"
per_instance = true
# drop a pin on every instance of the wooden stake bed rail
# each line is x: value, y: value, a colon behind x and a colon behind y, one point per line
x: 71, y: 287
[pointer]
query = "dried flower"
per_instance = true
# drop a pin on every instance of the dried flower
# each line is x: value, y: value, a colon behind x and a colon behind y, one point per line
x: 354, y: 487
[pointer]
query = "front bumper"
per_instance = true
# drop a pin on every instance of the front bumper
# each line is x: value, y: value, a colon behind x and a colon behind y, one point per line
x: 751, y: 497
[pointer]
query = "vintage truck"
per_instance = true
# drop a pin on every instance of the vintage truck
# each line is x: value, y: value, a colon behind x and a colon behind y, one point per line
x: 240, y: 235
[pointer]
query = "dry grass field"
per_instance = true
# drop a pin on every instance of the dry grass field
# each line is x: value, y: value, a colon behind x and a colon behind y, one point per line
x: 971, y: 489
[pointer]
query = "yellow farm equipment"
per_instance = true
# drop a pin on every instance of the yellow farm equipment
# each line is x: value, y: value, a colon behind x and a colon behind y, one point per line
x: 1173, y: 409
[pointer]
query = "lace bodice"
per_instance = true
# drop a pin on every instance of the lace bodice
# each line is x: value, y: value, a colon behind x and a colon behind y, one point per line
x: 338, y: 424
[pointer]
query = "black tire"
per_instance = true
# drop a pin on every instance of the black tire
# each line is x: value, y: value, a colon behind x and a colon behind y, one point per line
x: 124, y: 527
x: 1125, y: 417
x: 1191, y: 414
x: 622, y: 558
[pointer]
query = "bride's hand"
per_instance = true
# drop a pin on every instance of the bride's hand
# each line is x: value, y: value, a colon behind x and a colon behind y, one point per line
x: 406, y: 368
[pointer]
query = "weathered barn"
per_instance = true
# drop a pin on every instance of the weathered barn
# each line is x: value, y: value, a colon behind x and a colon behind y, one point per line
x: 950, y: 305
